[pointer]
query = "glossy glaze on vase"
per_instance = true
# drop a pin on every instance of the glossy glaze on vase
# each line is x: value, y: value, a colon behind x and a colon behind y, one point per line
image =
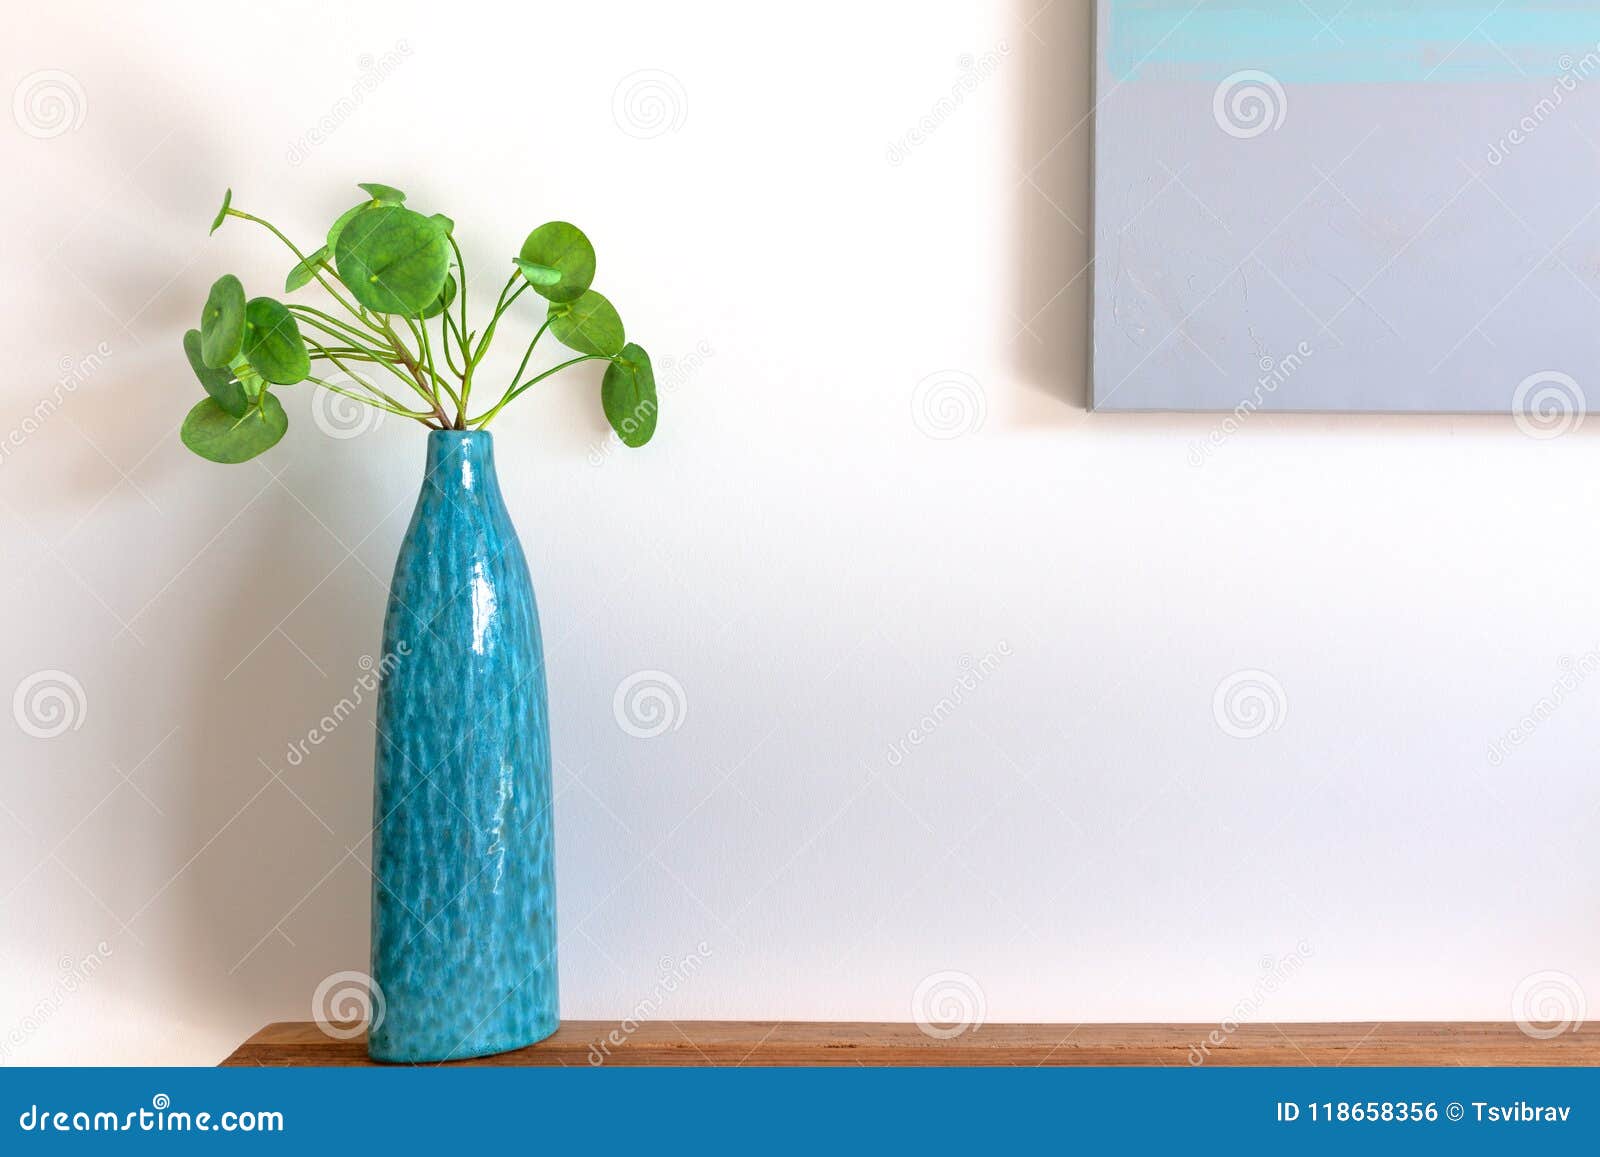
x: 463, y: 891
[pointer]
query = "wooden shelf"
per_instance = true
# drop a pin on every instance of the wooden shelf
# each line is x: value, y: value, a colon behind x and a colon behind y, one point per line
x: 586, y: 1042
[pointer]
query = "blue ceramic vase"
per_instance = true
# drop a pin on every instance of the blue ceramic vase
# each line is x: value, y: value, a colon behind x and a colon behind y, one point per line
x: 463, y: 855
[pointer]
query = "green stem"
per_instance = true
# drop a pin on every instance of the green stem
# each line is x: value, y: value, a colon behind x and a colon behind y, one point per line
x: 336, y: 358
x: 474, y: 356
x: 411, y: 364
x: 500, y: 306
x: 448, y: 329
x: 354, y: 353
x: 329, y: 323
x: 503, y: 304
x: 517, y: 377
x: 419, y: 334
x: 295, y: 249
x: 461, y: 264
x: 514, y: 392
x: 366, y: 401
x: 419, y: 330
x: 376, y: 357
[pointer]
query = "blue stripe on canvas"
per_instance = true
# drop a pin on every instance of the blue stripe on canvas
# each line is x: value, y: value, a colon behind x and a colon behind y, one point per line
x: 1364, y: 42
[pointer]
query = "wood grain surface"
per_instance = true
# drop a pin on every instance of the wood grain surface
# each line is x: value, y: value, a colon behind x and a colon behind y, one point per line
x: 592, y: 1042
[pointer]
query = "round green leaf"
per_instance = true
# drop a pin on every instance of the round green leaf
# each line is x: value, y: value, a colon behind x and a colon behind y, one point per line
x: 305, y: 270
x: 222, y: 322
x: 393, y: 260
x: 222, y: 213
x: 446, y: 296
x: 386, y: 193
x: 344, y: 219
x: 272, y: 342
x: 589, y: 325
x: 443, y: 222
x: 219, y: 383
x: 563, y: 247
x: 213, y: 433
x: 628, y: 394
x: 537, y: 275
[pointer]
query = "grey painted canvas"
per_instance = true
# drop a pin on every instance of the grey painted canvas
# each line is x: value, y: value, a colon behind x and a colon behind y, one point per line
x: 1314, y: 205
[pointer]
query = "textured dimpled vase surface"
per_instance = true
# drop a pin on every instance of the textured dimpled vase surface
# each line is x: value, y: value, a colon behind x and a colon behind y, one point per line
x: 463, y: 889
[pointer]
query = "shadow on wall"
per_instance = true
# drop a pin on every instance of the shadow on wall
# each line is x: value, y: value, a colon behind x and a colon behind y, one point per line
x: 254, y: 642
x: 279, y: 900
x: 1053, y: 280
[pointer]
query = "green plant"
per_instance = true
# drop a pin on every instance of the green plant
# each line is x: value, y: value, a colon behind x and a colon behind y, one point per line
x: 398, y: 274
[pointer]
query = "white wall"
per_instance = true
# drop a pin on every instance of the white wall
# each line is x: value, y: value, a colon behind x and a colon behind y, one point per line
x: 1079, y: 837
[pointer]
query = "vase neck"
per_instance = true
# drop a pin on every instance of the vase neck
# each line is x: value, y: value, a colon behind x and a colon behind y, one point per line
x: 461, y: 462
